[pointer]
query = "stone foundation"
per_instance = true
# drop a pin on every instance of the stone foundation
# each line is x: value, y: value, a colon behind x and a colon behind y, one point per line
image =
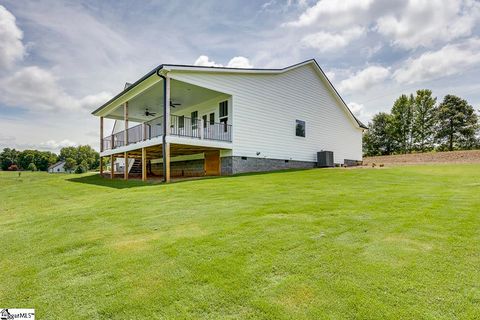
x: 248, y: 164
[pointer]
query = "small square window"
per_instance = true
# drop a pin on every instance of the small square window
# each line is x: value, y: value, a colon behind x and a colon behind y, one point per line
x: 300, y: 128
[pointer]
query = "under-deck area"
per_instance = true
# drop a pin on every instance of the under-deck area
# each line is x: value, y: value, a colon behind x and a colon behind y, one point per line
x: 186, y: 161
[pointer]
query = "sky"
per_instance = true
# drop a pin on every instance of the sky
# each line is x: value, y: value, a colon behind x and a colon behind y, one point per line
x: 60, y: 60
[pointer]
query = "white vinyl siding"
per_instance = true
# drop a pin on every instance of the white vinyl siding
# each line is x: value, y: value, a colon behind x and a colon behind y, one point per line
x: 263, y: 109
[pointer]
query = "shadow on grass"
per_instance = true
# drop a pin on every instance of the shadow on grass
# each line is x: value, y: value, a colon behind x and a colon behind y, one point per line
x: 117, y: 183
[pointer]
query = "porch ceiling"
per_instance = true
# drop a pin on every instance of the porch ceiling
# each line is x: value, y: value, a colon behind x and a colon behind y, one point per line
x: 152, y: 98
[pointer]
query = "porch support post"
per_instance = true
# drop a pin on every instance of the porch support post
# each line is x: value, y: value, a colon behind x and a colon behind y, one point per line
x: 101, y: 134
x: 144, y: 132
x: 125, y: 171
x: 125, y: 117
x: 166, y: 129
x: 202, y: 128
x: 144, y: 164
x: 112, y: 167
x: 101, y: 167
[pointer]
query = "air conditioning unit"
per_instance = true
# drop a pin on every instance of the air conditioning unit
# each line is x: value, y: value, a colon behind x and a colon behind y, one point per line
x: 325, y: 159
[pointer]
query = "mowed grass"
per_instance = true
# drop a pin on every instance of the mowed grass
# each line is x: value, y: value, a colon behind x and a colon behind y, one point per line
x: 390, y: 243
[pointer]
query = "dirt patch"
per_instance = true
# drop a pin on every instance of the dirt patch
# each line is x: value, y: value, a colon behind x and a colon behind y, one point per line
x: 467, y: 156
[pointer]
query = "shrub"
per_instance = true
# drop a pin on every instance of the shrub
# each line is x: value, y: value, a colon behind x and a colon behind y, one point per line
x: 80, y: 169
x: 32, y: 167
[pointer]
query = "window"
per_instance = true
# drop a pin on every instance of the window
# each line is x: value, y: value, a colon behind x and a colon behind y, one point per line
x: 204, y: 118
x: 223, y: 114
x: 223, y: 109
x: 300, y: 128
x: 212, y: 118
x: 194, y: 116
x: 181, y: 122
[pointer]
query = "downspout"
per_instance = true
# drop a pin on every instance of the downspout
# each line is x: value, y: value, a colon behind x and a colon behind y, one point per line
x: 164, y: 135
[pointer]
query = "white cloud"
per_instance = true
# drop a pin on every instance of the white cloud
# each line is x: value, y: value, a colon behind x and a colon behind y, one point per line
x: 359, y: 111
x: 449, y: 60
x: 239, y: 62
x: 332, y: 12
x: 330, y: 75
x: 356, y: 108
x: 11, y: 46
x: 235, y: 62
x: 364, y: 79
x: 56, y: 145
x: 325, y: 41
x: 37, y: 89
x: 204, y: 61
x: 427, y: 22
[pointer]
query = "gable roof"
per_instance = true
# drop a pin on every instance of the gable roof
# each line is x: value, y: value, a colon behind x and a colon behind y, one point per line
x: 181, y: 67
x: 56, y: 164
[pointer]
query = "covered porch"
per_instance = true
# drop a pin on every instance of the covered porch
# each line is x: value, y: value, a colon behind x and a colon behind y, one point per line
x: 162, y: 122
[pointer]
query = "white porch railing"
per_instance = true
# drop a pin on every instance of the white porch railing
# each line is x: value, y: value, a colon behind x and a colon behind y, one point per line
x: 179, y: 126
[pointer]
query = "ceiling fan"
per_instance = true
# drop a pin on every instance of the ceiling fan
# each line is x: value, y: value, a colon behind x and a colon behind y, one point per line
x: 148, y: 113
x: 173, y: 104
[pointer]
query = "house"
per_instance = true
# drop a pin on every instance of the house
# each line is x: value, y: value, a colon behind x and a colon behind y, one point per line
x: 57, y: 167
x: 181, y: 120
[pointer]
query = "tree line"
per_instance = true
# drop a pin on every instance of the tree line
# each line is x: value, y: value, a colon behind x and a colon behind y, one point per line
x: 416, y: 123
x: 78, y: 159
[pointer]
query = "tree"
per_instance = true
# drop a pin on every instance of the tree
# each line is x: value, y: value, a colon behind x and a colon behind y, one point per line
x: 457, y: 124
x: 32, y: 167
x: 85, y: 154
x: 423, y: 128
x: 402, y: 120
x: 41, y: 159
x: 68, y: 152
x: 70, y: 164
x: 378, y: 140
x: 8, y: 157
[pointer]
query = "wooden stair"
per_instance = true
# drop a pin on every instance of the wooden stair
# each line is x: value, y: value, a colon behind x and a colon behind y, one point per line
x: 136, y: 167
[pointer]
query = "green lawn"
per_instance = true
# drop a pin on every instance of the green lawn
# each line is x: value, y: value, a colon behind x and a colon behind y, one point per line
x: 395, y: 243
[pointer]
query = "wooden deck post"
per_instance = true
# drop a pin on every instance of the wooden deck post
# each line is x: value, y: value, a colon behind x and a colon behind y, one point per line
x: 112, y: 167
x: 101, y: 135
x: 144, y: 164
x: 125, y: 118
x: 125, y: 170
x: 166, y: 129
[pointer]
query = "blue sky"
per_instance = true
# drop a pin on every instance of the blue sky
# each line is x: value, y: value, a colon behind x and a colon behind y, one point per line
x: 59, y: 60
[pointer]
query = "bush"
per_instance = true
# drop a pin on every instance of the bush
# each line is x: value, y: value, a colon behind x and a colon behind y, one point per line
x: 80, y: 169
x: 32, y: 167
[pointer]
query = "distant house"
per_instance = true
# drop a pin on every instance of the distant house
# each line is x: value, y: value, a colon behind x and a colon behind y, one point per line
x: 57, y: 167
x: 181, y: 120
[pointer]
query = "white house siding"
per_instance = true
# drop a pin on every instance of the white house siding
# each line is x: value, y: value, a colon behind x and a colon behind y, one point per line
x: 264, y: 109
x: 59, y: 168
